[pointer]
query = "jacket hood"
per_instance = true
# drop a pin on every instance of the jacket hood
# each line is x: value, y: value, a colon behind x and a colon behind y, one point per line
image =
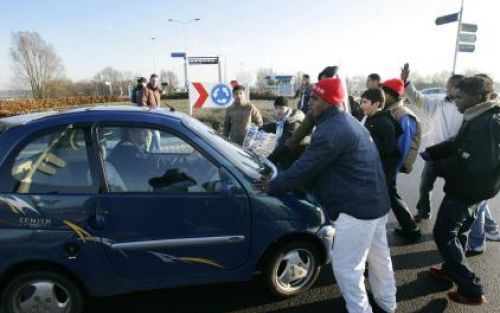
x: 475, y: 111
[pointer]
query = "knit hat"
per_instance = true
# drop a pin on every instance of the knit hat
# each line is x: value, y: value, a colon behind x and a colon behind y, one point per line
x: 395, y: 87
x: 330, y: 90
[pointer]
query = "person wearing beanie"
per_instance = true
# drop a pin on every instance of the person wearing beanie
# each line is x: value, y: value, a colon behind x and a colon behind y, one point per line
x: 342, y: 168
x: 138, y: 91
x: 300, y: 136
x: 408, y: 144
x: 286, y: 123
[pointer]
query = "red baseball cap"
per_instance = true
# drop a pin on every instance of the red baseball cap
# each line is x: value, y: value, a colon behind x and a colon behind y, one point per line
x: 331, y: 90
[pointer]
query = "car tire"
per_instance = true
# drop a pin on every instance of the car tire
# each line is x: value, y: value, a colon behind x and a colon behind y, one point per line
x: 292, y: 268
x: 46, y: 291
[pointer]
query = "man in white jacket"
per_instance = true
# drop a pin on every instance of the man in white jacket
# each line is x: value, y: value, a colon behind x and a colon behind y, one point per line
x: 444, y: 123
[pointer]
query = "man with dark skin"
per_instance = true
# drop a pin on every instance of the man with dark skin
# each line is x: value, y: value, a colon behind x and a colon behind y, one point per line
x: 470, y: 166
x: 342, y: 168
x: 301, y: 136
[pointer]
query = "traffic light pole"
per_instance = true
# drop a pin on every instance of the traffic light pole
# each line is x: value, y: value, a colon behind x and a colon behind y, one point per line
x: 458, y: 37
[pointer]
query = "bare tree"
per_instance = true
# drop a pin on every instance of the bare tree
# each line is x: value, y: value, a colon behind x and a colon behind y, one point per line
x: 171, y: 79
x: 35, y: 61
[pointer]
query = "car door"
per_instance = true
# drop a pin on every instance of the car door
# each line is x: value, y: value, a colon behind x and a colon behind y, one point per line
x: 169, y: 211
x: 48, y: 193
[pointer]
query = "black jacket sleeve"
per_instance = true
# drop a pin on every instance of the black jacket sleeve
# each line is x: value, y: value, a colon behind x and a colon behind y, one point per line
x: 476, y: 153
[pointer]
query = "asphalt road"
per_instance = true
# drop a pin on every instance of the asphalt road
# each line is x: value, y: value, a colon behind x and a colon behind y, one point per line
x: 417, y: 291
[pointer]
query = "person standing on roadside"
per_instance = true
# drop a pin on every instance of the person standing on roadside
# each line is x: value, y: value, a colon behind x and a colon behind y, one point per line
x: 239, y: 116
x: 138, y: 90
x: 342, y: 166
x: 470, y: 166
x: 408, y: 143
x: 304, y: 93
x: 373, y: 81
x: 444, y: 123
x: 286, y: 123
x: 152, y: 97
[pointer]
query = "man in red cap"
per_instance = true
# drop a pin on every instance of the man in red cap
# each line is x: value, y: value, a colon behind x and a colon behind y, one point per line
x: 408, y: 143
x: 342, y: 168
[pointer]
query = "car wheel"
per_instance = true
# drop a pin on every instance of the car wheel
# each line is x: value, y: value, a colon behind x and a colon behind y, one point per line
x: 42, y: 291
x: 292, y: 268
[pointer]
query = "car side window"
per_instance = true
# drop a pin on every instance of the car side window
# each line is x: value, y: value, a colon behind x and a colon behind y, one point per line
x: 55, y: 162
x: 140, y: 159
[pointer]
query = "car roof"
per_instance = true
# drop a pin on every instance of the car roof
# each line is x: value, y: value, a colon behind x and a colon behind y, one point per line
x: 23, y: 119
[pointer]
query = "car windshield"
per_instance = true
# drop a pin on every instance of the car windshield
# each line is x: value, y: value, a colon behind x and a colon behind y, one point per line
x: 251, y: 164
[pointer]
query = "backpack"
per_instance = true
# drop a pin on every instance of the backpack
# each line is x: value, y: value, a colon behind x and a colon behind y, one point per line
x: 133, y: 96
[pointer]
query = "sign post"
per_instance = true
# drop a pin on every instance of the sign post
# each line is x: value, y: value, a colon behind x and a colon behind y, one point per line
x: 465, y: 38
x: 183, y: 56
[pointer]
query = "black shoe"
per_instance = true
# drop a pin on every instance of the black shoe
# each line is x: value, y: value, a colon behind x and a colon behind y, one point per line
x: 419, y: 217
x: 412, y: 235
x: 471, y: 253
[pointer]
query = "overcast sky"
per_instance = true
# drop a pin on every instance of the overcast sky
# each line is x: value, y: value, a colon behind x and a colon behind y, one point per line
x: 363, y: 36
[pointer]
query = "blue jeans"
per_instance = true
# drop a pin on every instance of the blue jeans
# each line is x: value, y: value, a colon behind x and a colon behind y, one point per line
x: 484, y: 223
x: 427, y: 181
x: 453, y: 222
x: 154, y: 146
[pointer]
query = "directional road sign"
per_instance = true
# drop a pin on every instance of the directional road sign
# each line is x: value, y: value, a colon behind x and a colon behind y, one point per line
x: 203, y: 60
x: 468, y: 28
x: 210, y: 95
x: 466, y: 47
x: 445, y: 19
x: 467, y: 38
x: 178, y: 54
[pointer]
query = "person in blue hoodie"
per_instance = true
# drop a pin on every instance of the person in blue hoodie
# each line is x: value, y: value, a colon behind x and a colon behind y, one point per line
x: 342, y: 168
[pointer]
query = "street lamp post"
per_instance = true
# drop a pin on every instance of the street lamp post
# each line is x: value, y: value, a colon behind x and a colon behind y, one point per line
x: 153, y: 40
x: 184, y: 23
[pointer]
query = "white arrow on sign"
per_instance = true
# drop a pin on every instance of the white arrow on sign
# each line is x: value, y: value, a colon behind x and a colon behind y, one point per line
x: 466, y: 37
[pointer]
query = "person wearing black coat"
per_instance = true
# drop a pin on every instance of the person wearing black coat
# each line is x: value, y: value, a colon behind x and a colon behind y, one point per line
x: 287, y: 122
x: 384, y: 130
x: 470, y: 166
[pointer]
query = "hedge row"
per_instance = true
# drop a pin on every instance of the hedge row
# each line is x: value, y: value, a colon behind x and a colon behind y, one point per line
x: 15, y: 107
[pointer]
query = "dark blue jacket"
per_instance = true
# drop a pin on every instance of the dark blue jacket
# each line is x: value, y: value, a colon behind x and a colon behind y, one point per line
x: 342, y: 167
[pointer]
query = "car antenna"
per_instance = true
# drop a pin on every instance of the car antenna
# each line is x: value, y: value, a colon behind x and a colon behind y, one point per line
x: 170, y: 108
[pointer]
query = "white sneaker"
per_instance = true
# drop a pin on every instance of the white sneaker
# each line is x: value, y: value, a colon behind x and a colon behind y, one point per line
x: 493, y: 236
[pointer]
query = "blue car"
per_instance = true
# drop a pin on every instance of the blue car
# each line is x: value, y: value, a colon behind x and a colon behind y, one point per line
x: 117, y: 199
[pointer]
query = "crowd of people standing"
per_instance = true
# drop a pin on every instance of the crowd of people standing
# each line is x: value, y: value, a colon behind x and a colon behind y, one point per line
x: 349, y: 156
x: 351, y: 165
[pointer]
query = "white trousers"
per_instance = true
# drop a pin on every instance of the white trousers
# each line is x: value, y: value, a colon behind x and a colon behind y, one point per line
x: 357, y: 242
